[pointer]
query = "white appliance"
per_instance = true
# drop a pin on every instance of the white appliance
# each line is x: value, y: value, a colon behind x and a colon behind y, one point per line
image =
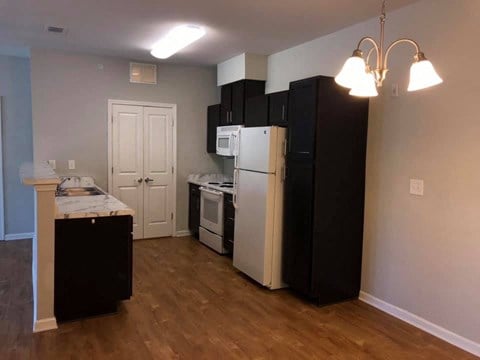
x: 211, y: 219
x: 258, y: 200
x: 227, y: 140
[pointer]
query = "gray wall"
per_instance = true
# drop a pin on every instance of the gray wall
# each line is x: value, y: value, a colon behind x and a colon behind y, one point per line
x: 420, y: 253
x: 17, y: 142
x: 69, y: 99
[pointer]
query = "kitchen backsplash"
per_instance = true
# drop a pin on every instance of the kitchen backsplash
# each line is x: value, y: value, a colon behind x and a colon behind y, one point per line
x: 228, y: 166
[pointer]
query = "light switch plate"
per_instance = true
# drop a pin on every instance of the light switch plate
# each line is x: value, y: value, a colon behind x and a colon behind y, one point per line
x: 53, y: 164
x: 71, y: 164
x: 416, y: 187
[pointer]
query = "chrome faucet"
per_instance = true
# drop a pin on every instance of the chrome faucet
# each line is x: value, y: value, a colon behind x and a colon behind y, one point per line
x: 59, y: 186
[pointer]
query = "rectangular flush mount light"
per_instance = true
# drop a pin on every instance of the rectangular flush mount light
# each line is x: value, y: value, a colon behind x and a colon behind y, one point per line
x: 177, y: 39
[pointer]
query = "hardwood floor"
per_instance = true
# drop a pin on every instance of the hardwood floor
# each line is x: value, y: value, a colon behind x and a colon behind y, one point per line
x: 190, y: 303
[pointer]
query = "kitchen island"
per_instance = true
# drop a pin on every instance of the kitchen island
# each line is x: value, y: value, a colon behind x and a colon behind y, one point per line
x: 93, y: 255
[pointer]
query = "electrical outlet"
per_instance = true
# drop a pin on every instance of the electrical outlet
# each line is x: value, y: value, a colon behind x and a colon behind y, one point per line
x: 53, y: 164
x: 71, y: 164
x: 416, y: 187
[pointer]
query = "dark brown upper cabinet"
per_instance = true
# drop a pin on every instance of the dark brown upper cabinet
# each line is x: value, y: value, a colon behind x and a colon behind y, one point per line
x: 233, y: 97
x: 213, y: 120
x: 256, y: 111
x: 278, y: 108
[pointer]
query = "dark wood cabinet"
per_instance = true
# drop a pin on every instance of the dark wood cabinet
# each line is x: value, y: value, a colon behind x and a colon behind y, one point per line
x: 194, y: 209
x: 298, y: 224
x: 278, y: 109
x: 213, y: 121
x: 93, y: 265
x: 225, y: 104
x: 256, y: 111
x: 324, y: 190
x: 239, y: 95
x: 302, y: 118
x: 233, y: 96
x: 228, y: 223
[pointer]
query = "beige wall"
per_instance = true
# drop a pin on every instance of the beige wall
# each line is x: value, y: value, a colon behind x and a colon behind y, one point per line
x: 421, y: 254
x: 69, y: 105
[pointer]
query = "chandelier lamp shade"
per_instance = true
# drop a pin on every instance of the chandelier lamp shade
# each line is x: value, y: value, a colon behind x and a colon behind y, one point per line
x: 362, y: 81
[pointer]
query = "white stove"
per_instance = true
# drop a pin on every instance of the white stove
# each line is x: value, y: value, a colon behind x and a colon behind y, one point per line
x: 211, y: 213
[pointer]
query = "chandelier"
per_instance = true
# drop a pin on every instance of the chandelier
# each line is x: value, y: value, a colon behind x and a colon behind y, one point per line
x: 357, y: 75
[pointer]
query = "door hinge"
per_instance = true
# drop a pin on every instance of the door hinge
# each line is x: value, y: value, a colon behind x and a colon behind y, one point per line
x: 171, y: 216
x: 172, y: 170
x: 112, y: 169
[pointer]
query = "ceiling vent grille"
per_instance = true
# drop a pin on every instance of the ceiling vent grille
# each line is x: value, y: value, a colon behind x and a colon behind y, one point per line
x: 55, y: 29
x: 143, y: 73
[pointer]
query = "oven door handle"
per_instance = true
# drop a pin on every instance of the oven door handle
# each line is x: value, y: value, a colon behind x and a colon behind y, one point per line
x: 210, y: 191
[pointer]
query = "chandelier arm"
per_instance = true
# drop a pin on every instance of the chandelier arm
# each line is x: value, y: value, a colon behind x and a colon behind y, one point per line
x: 367, y: 61
x: 397, y: 42
x: 375, y: 47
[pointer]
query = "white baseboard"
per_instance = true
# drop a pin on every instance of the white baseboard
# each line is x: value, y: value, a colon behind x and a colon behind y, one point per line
x: 45, y: 325
x: 421, y: 323
x: 182, y: 233
x: 22, y: 236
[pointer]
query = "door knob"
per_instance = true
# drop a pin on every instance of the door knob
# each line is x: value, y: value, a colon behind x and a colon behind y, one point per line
x: 139, y: 180
x: 147, y: 180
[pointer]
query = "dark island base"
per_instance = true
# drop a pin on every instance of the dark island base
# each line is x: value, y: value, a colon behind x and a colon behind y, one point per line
x: 81, y: 312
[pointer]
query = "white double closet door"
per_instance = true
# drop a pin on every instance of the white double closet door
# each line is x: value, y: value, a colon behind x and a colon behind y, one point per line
x: 142, y: 175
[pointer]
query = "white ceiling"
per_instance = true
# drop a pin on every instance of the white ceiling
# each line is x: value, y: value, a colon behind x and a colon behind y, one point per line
x: 129, y: 28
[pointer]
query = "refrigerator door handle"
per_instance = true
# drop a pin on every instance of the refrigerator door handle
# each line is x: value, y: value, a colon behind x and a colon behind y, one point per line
x: 236, y: 151
x: 234, y: 197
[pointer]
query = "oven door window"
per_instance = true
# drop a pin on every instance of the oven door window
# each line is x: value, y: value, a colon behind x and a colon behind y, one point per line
x: 210, y: 210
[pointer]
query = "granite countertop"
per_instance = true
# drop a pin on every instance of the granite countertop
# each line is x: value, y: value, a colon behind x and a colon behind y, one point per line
x: 76, y: 207
x: 204, y: 179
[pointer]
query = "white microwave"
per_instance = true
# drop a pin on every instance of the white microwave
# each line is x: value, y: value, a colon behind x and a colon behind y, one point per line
x: 227, y: 140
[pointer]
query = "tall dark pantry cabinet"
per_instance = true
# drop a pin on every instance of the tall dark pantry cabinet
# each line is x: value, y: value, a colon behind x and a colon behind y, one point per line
x: 324, y: 190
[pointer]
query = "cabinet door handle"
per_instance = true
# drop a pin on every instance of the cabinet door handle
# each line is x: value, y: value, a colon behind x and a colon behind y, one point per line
x: 147, y: 180
x: 139, y: 180
x: 283, y: 112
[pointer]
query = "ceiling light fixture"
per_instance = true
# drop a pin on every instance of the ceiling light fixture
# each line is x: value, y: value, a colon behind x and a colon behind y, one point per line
x: 177, y: 39
x: 357, y: 75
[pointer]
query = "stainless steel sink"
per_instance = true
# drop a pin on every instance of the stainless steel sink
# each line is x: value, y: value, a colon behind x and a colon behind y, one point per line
x: 79, y: 191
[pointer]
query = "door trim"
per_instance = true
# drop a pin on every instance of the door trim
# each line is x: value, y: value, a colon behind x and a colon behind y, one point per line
x: 2, y: 173
x: 173, y: 107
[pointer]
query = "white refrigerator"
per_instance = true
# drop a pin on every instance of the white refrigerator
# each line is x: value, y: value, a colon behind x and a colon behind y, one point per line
x: 258, y: 201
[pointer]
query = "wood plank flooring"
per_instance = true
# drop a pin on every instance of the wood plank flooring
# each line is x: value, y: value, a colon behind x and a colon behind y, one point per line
x: 190, y: 303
